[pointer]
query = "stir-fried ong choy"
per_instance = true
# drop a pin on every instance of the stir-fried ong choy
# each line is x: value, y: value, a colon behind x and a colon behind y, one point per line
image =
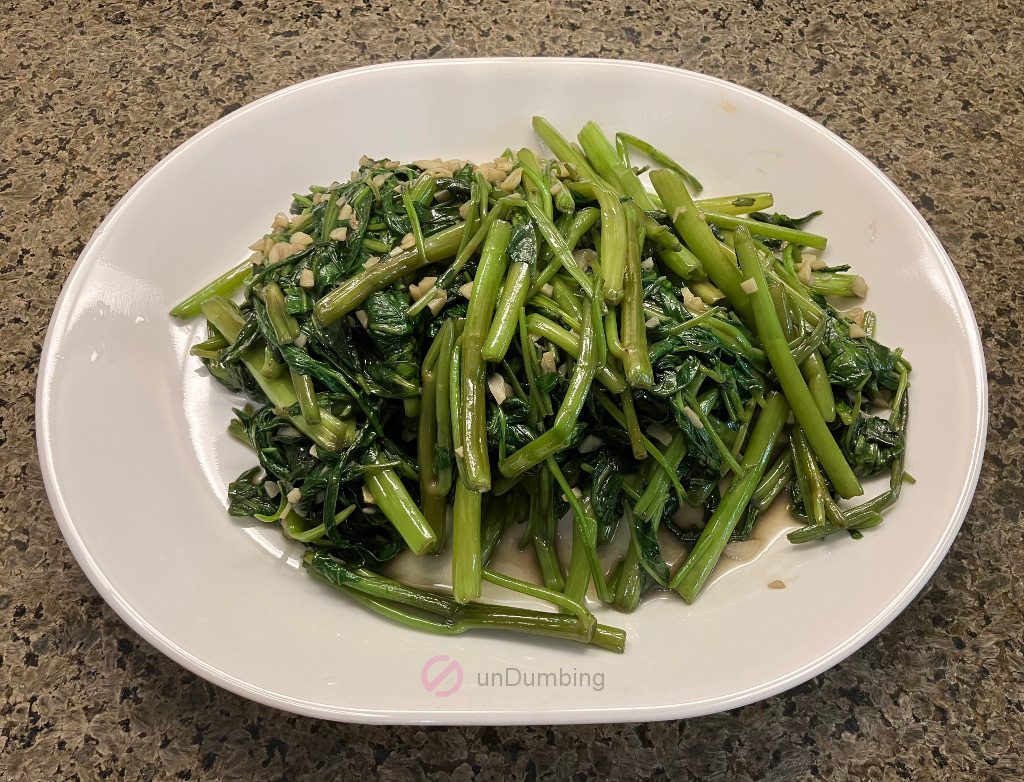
x: 510, y: 343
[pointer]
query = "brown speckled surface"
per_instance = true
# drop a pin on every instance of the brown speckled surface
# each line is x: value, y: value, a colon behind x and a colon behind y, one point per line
x: 93, y: 94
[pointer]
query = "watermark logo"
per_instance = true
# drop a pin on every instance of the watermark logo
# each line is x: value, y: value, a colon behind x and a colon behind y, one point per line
x: 438, y: 678
x: 443, y: 676
x: 517, y: 677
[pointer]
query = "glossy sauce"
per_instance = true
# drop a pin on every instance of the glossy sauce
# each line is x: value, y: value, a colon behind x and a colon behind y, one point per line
x: 434, y: 572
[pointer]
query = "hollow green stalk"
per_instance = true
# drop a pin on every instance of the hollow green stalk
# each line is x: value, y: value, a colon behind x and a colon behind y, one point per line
x: 769, y: 331
x: 825, y: 515
x: 466, y: 557
x: 737, y: 205
x: 625, y: 139
x: 818, y: 383
x: 455, y: 404
x: 870, y: 323
x: 580, y: 222
x: 566, y: 300
x: 353, y: 292
x: 542, y: 593
x: 611, y: 332
x: 636, y: 436
x: 497, y: 517
x: 550, y: 309
x: 224, y: 285
x: 476, y: 469
x: 614, y: 240
x: 556, y: 242
x: 422, y: 189
x: 838, y: 284
x: 401, y: 510
x: 682, y: 262
x: 540, y: 529
x: 433, y: 499
x: 443, y: 378
x: 414, y: 223
x: 567, y: 341
x: 740, y: 436
x: 330, y: 221
x: 711, y: 253
x: 577, y: 580
x: 286, y: 328
x: 306, y: 394
x: 775, y: 479
x: 536, y: 187
x: 629, y: 580
x: 757, y: 228
x: 564, y: 151
x: 635, y: 360
x: 540, y: 401
x: 484, y: 191
x: 602, y: 155
x: 706, y: 292
x: 506, y: 312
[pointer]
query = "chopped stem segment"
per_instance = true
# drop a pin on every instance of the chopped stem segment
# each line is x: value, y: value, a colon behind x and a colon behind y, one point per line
x: 476, y: 469
x: 635, y: 359
x: 738, y: 204
x: 354, y: 291
x: 769, y: 331
x: 506, y: 312
x: 394, y: 501
x: 767, y: 230
x: 224, y: 285
x: 466, y: 560
x: 713, y: 255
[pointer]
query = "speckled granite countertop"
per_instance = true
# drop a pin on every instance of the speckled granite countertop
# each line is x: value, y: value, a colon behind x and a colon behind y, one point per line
x: 94, y: 93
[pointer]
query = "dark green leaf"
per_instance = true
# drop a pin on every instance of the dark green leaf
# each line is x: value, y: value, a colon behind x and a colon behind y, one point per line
x: 871, y: 444
x: 645, y: 537
x: 524, y: 245
x: 607, y: 496
x: 857, y: 363
x: 246, y: 498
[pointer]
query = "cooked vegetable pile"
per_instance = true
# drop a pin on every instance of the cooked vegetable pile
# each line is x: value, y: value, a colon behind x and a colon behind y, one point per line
x: 532, y: 337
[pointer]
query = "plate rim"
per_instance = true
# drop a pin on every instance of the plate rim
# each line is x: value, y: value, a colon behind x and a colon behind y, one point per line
x: 87, y: 258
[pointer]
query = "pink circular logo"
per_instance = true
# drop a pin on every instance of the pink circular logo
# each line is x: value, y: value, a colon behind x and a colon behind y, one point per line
x: 437, y: 679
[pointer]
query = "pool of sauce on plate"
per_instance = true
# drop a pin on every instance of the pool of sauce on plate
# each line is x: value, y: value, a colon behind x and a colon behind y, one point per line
x: 434, y: 572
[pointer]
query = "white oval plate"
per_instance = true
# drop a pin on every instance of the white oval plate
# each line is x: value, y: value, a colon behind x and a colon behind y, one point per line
x: 136, y: 459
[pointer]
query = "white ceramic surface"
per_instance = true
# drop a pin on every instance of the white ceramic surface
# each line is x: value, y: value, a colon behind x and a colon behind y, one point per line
x: 136, y: 459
